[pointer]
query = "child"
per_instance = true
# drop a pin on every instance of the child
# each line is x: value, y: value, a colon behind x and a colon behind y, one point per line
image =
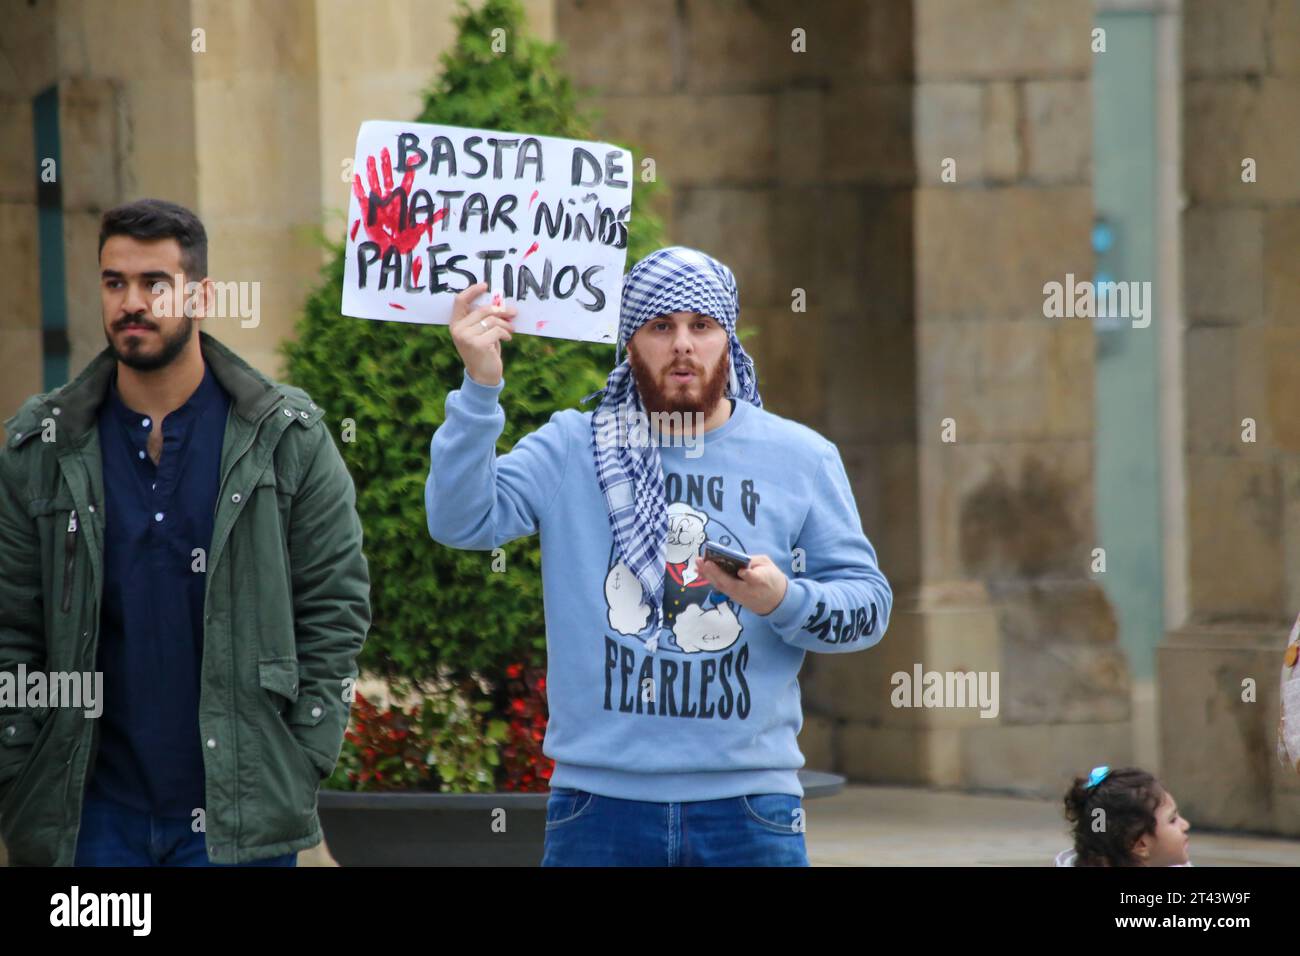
x: 1124, y: 818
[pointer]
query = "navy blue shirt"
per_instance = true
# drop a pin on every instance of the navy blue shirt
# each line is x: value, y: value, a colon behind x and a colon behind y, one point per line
x: 151, y: 623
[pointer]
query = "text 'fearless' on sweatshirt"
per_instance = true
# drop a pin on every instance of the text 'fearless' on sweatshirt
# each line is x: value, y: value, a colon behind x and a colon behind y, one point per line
x: 711, y: 708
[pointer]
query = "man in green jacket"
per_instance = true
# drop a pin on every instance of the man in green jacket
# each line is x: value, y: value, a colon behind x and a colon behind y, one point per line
x: 183, y: 593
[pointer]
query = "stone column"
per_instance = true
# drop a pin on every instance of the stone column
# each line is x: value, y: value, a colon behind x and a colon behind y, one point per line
x: 257, y: 166
x: 1241, y: 338
x: 1004, y: 422
x: 29, y: 45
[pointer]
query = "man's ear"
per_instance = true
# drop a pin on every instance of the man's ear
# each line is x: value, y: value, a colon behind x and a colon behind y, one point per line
x: 207, y: 298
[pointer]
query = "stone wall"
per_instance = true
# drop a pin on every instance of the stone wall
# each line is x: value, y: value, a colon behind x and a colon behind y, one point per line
x: 1241, y: 252
x: 122, y: 128
x: 28, y: 43
x: 1006, y: 505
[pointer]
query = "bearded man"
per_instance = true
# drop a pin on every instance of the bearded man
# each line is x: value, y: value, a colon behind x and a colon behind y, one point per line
x: 673, y: 719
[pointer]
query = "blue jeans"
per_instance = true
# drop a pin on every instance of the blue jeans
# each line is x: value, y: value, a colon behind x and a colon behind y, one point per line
x: 115, y: 835
x: 584, y: 829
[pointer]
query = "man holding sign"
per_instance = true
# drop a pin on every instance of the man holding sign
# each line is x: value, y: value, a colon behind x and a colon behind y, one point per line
x: 672, y: 682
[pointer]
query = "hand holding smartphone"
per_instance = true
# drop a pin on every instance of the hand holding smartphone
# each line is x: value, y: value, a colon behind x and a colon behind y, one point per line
x: 726, y: 558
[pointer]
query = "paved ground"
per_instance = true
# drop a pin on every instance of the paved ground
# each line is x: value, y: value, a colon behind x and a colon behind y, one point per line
x: 905, y: 826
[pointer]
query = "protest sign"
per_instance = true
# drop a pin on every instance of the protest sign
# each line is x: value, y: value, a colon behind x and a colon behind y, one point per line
x: 436, y: 209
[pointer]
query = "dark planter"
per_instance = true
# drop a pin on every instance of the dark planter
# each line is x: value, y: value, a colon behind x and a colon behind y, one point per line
x: 456, y: 829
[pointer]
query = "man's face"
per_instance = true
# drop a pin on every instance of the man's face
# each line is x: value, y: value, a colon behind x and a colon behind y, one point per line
x: 137, y: 290
x: 680, y: 362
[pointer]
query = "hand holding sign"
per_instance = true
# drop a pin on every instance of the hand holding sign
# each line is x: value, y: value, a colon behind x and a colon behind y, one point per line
x: 478, y: 333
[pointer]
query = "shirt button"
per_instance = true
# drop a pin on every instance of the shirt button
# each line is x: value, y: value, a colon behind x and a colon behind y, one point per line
x: 158, y: 516
x: 11, y: 731
x: 212, y: 743
x: 235, y: 497
x: 304, y: 415
x: 57, y: 411
x: 92, y: 509
x: 316, y: 711
x: 288, y: 414
x: 141, y: 454
x: 144, y: 423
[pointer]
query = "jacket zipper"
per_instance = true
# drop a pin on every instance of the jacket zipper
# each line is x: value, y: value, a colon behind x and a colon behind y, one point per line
x: 234, y: 704
x: 69, y: 558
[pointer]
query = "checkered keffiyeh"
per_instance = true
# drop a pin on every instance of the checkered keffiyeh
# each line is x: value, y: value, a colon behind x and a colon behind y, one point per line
x: 676, y: 279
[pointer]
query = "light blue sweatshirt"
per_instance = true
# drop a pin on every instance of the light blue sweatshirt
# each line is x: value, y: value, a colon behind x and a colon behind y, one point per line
x: 708, y: 707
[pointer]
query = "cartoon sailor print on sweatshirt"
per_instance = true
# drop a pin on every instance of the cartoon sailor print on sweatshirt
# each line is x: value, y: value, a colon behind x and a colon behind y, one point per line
x: 698, y: 616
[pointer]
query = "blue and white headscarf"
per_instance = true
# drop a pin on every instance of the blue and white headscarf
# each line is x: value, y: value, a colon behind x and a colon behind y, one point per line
x: 675, y: 279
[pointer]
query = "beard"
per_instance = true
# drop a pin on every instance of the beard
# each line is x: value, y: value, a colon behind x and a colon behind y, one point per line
x: 172, y: 345
x: 660, y: 395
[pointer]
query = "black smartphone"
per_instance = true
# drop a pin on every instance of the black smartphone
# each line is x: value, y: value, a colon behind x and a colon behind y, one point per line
x: 728, y: 559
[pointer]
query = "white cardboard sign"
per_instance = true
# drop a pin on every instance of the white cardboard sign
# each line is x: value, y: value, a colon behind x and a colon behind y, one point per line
x: 436, y: 209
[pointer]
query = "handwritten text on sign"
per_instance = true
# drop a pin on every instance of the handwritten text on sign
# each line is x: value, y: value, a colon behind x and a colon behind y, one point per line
x: 436, y: 209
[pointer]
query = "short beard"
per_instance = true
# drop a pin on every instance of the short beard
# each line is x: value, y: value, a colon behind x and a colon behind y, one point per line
x: 655, y: 398
x: 172, y: 346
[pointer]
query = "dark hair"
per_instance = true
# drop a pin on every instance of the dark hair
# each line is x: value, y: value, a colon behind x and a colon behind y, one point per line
x: 159, y: 219
x: 1129, y: 798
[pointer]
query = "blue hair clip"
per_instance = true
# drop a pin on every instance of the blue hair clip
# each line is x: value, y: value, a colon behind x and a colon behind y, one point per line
x: 1097, y: 776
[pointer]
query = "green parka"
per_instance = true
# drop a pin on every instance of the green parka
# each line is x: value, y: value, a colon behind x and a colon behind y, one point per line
x: 286, y: 611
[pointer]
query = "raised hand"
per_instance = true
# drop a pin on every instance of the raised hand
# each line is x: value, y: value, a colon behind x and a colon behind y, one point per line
x: 477, y: 333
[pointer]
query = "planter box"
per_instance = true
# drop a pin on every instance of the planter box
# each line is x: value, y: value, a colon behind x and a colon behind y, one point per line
x: 455, y: 829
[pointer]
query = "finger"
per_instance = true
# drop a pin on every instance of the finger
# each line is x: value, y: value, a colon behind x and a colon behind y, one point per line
x: 372, y: 175
x: 719, y: 579
x: 388, y: 169
x: 408, y: 179
x: 711, y: 571
x: 361, y: 193
x: 464, y: 298
x: 493, y: 322
x: 488, y: 315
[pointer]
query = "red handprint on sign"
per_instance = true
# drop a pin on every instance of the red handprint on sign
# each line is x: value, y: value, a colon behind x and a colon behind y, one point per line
x: 389, y: 222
